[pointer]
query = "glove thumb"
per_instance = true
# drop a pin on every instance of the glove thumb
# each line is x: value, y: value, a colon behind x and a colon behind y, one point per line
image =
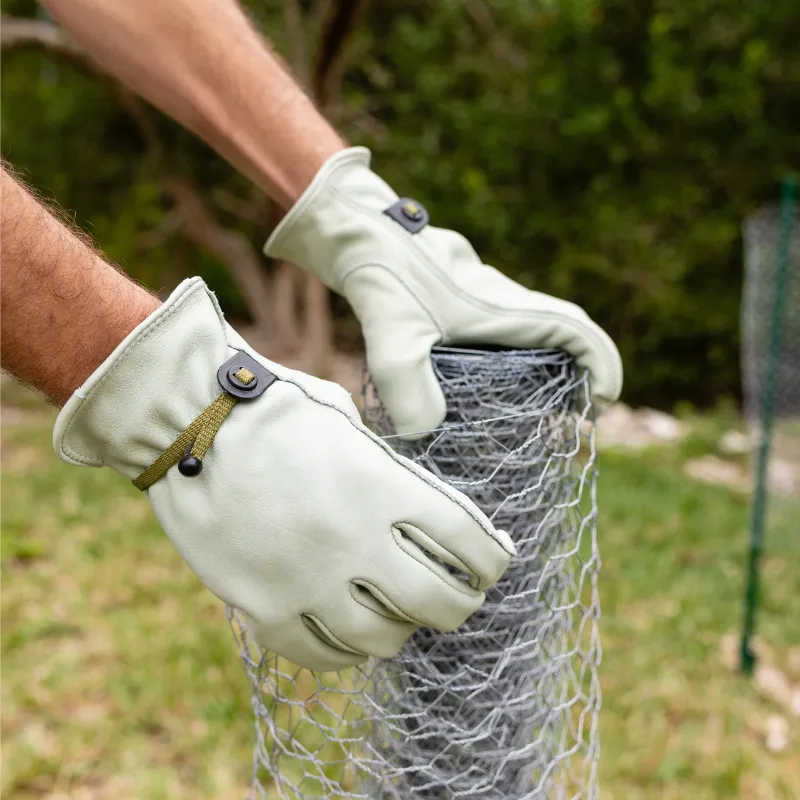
x: 399, y: 335
x: 401, y: 368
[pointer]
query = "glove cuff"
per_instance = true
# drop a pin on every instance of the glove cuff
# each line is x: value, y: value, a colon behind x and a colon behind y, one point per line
x: 327, y: 221
x: 157, y: 380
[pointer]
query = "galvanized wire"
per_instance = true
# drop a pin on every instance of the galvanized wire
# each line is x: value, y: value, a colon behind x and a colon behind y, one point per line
x: 504, y: 708
x: 771, y: 385
x: 764, y: 264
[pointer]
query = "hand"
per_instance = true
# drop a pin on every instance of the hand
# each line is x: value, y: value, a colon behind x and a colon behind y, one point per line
x: 413, y: 286
x: 299, y: 516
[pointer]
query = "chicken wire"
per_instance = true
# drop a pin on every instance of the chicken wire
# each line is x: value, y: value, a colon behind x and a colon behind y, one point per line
x: 764, y: 276
x: 506, y: 706
x: 771, y: 387
x: 771, y: 359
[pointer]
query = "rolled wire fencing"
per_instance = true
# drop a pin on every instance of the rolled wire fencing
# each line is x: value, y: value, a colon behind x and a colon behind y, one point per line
x: 770, y: 325
x: 505, y: 707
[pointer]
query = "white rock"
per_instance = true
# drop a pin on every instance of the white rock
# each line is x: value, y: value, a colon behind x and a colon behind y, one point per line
x: 661, y: 426
x: 617, y: 428
x: 712, y: 469
x: 621, y: 426
x: 774, y: 684
x: 783, y: 477
x: 777, y: 731
x: 735, y: 443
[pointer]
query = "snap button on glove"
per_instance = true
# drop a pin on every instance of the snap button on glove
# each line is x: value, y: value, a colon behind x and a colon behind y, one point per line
x: 328, y: 541
x: 413, y: 286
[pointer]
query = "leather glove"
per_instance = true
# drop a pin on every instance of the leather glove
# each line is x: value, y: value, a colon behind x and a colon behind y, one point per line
x: 292, y: 510
x: 413, y: 286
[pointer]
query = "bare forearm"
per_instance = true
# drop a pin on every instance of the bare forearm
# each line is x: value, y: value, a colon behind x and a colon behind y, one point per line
x: 63, y: 309
x: 201, y: 62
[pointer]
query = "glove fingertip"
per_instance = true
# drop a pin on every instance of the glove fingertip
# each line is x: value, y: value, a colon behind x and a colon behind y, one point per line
x: 425, y: 413
x: 506, y: 542
x: 409, y: 391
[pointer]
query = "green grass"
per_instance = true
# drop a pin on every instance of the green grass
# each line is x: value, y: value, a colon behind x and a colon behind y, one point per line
x: 120, y: 678
x: 676, y: 722
x: 119, y: 674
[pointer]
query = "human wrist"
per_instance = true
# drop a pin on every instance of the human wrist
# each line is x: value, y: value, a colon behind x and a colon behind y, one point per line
x: 120, y: 307
x: 282, y: 163
x: 64, y: 308
x: 157, y: 377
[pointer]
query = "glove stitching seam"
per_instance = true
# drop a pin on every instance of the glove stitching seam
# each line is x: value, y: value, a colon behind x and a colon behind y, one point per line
x: 475, y: 301
x: 477, y: 592
x: 411, y: 618
x: 460, y: 562
x: 348, y: 650
x: 309, y: 196
x: 192, y: 294
x: 402, y: 462
x: 403, y: 283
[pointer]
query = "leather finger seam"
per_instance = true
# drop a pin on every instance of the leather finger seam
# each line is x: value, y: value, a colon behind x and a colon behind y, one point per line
x: 462, y: 588
x: 343, y: 646
x: 411, y: 619
x: 406, y: 464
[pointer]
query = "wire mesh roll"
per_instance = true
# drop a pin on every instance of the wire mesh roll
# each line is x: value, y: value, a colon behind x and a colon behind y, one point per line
x: 505, y: 706
x: 761, y: 234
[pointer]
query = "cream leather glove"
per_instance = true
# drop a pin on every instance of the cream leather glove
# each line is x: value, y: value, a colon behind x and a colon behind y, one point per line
x: 291, y: 510
x: 413, y: 286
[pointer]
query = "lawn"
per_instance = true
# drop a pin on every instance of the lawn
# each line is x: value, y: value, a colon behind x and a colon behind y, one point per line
x: 120, y: 678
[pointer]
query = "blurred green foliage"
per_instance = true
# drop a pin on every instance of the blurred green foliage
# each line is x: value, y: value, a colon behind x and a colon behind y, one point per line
x: 606, y: 152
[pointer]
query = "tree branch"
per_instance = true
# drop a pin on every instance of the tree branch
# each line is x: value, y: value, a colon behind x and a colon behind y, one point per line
x: 255, y: 211
x: 16, y: 32
x: 298, y: 50
x: 341, y: 22
x: 501, y: 48
x: 231, y: 247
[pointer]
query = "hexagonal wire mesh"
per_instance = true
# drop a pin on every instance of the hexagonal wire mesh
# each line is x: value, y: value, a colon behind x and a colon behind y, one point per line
x: 762, y: 233
x: 771, y: 385
x: 506, y: 706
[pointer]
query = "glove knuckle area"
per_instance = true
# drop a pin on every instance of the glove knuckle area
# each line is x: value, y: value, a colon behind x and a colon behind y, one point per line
x: 338, y: 633
x: 423, y: 589
x: 546, y: 321
x: 438, y: 559
x: 300, y: 642
x: 557, y: 324
x: 291, y: 507
x: 449, y: 525
x: 358, y: 627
